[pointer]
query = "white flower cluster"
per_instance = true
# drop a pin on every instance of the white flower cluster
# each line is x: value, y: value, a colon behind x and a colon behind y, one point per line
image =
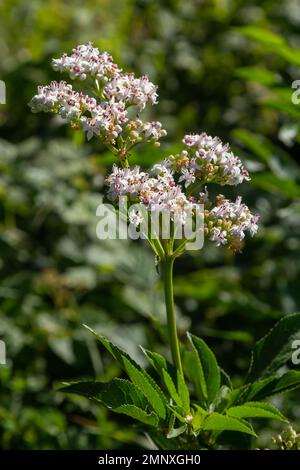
x: 55, y: 96
x: 105, y: 119
x: 226, y: 223
x: 131, y: 90
x: 159, y: 193
x: 125, y: 182
x: 207, y: 160
x: 105, y: 114
x: 86, y: 61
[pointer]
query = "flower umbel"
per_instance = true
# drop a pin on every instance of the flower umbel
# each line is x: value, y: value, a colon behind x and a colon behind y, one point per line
x: 226, y: 223
x: 104, y: 113
x: 208, y: 160
x: 87, y: 61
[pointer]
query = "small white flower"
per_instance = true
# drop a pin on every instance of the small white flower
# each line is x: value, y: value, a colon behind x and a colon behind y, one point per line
x: 135, y: 217
x: 219, y: 236
x: 87, y: 60
x: 188, y: 176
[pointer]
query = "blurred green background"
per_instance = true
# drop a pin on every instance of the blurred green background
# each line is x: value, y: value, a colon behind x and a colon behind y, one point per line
x: 222, y: 66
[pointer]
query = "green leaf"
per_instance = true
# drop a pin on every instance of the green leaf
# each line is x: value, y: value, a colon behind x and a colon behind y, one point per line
x: 177, y: 413
x: 208, y: 369
x: 171, y: 387
x: 290, y: 54
x: 279, y: 161
x: 258, y: 75
x: 173, y: 380
x: 120, y: 396
x: 190, y: 367
x: 255, y: 410
x: 252, y: 142
x: 275, y: 184
x: 198, y: 417
x: 240, y: 336
x: 277, y: 385
x: 136, y: 413
x: 218, y: 422
x: 274, y: 350
x: 261, y: 389
x: 112, y: 394
x: 279, y: 105
x: 262, y: 36
x: 271, y: 42
x: 138, y: 376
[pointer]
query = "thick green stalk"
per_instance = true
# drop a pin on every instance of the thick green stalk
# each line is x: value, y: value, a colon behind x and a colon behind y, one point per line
x: 167, y: 271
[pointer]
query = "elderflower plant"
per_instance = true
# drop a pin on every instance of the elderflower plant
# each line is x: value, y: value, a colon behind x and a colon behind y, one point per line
x: 105, y: 113
x: 188, y: 401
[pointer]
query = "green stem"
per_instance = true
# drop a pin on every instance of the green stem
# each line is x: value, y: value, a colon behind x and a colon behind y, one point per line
x: 158, y: 248
x: 167, y: 267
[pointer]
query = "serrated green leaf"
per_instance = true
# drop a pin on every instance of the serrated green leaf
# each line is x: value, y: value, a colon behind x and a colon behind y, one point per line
x: 261, y: 389
x: 171, y: 387
x: 255, y: 410
x: 274, y: 349
x: 287, y: 382
x: 172, y: 379
x: 190, y: 367
x: 143, y: 383
x: 112, y: 394
x: 119, y: 395
x: 160, y: 364
x: 198, y: 417
x: 106, y: 343
x: 138, y: 376
x: 208, y: 369
x: 218, y: 422
x: 137, y: 413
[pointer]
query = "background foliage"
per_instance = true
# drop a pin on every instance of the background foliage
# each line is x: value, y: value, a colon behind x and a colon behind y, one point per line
x: 222, y: 66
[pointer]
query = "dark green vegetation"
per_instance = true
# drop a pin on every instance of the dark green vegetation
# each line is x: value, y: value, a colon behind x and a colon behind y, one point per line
x: 219, y: 69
